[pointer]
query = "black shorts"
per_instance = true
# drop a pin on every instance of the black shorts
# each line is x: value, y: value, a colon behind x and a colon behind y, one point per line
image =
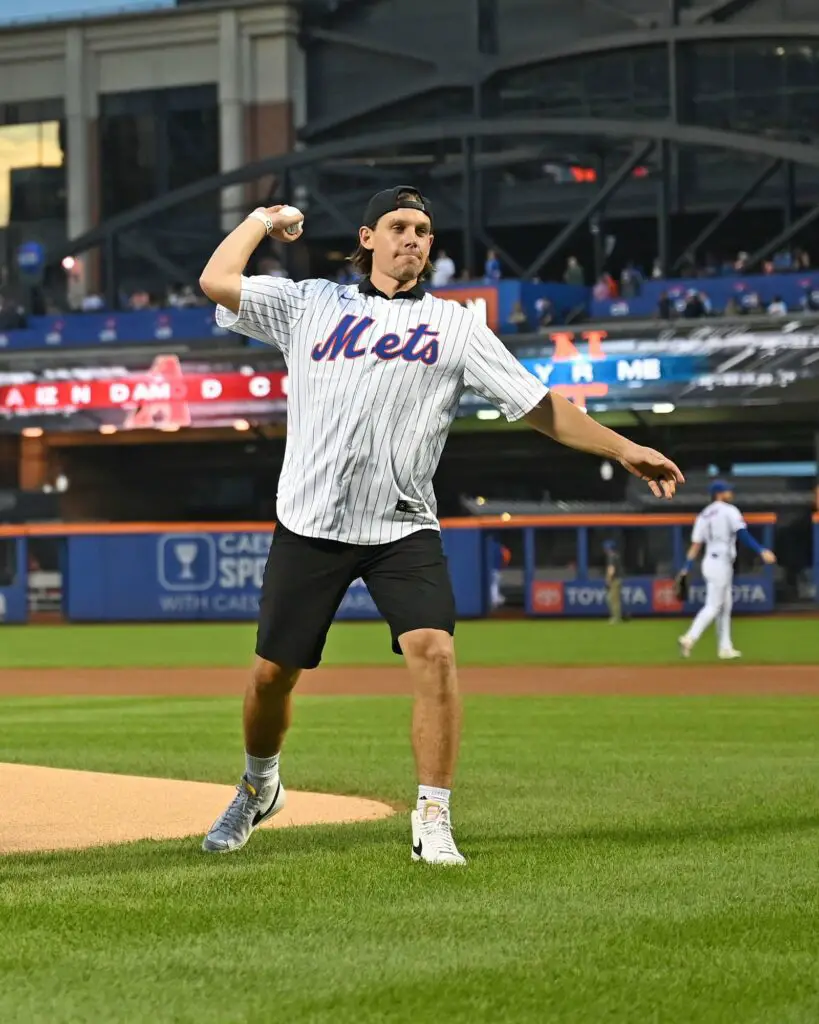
x: 306, y: 578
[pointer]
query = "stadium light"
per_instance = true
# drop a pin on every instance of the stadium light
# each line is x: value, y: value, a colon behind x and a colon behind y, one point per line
x: 488, y: 414
x: 32, y: 431
x: 69, y: 262
x: 108, y: 428
x: 662, y: 408
x: 241, y: 425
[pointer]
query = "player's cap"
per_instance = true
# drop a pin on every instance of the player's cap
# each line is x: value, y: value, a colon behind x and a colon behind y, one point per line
x: 389, y: 200
x: 719, y: 487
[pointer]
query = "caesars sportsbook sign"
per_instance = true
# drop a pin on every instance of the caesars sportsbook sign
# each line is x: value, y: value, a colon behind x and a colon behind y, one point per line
x: 217, y: 575
x: 205, y: 575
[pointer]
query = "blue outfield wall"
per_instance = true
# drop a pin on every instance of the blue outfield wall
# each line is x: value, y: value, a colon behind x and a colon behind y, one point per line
x: 214, y: 575
x: 14, y: 595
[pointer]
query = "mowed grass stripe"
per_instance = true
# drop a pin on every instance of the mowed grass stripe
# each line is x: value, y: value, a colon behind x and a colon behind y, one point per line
x: 502, y: 642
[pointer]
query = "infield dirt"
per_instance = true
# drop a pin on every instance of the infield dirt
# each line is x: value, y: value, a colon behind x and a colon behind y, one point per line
x: 730, y: 679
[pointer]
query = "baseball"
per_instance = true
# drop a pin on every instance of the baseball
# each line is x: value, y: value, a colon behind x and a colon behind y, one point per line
x: 292, y: 211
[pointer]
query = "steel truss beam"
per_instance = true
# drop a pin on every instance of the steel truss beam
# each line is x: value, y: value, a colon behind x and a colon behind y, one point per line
x: 716, y: 223
x: 647, y: 131
x: 474, y: 70
x: 770, y: 247
x: 612, y: 185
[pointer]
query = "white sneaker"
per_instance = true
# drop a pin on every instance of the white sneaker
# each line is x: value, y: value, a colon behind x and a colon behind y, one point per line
x: 728, y: 653
x: 248, y: 809
x: 685, y: 646
x: 432, y: 840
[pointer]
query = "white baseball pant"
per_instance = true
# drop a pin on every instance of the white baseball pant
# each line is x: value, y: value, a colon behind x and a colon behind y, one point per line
x: 719, y: 581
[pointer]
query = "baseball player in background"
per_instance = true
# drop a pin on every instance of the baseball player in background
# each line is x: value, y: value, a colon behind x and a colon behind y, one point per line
x: 376, y: 372
x: 717, y: 529
x: 614, y: 581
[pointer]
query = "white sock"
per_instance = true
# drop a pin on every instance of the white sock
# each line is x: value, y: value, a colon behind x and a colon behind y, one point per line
x: 433, y: 795
x: 262, y: 771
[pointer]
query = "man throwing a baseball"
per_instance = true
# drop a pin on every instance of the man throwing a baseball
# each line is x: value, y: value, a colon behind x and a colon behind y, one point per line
x: 376, y: 372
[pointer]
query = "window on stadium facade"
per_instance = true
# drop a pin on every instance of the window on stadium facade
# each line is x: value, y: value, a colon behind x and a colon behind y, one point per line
x: 623, y: 84
x: 32, y: 163
x: 154, y: 141
x: 754, y: 85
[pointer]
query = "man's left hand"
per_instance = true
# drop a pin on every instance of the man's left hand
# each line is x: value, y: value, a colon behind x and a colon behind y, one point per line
x: 661, y: 474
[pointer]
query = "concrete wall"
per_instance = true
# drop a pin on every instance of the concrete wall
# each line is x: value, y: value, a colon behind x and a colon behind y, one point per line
x: 249, y: 51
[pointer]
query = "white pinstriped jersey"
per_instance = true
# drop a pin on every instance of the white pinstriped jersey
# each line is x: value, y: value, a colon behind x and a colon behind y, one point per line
x: 717, y: 527
x: 373, y: 387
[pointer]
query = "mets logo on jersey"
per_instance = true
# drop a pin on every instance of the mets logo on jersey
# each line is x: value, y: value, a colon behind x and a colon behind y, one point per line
x: 420, y: 344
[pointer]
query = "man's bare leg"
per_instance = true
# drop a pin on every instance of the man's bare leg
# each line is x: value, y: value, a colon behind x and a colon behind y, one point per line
x: 436, y: 734
x: 436, y: 717
x: 268, y: 707
x: 267, y: 714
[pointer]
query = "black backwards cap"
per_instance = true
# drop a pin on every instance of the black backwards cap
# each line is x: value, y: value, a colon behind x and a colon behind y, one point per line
x: 388, y: 200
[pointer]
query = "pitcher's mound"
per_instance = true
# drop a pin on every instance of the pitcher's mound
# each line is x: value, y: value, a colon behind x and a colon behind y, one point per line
x: 55, y: 809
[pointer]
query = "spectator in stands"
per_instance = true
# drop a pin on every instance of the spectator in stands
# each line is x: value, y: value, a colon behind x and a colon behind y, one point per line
x: 810, y: 300
x: 443, y: 270
x: 657, y: 269
x: 139, y: 299
x: 12, y: 315
x: 777, y: 307
x: 605, y: 288
x: 801, y: 260
x: 732, y: 307
x: 545, y: 314
x: 631, y: 281
x: 492, y: 267
x: 518, y: 318
x: 783, y: 262
x: 181, y: 297
x: 750, y: 302
x: 664, y: 307
x: 694, y: 305
x: 741, y: 262
x: 574, y: 273
x: 466, y: 274
x: 92, y: 303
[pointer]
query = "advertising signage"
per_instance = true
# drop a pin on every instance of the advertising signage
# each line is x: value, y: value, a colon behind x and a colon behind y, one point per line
x: 167, y: 394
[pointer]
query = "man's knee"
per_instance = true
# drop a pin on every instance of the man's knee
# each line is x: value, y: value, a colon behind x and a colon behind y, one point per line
x: 432, y: 650
x: 270, y: 677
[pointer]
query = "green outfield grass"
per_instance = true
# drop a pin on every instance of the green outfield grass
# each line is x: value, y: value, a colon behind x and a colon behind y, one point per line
x: 633, y: 861
x: 502, y: 642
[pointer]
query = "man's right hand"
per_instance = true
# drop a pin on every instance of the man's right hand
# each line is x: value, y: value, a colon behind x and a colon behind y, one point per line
x: 282, y: 221
x: 221, y: 280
